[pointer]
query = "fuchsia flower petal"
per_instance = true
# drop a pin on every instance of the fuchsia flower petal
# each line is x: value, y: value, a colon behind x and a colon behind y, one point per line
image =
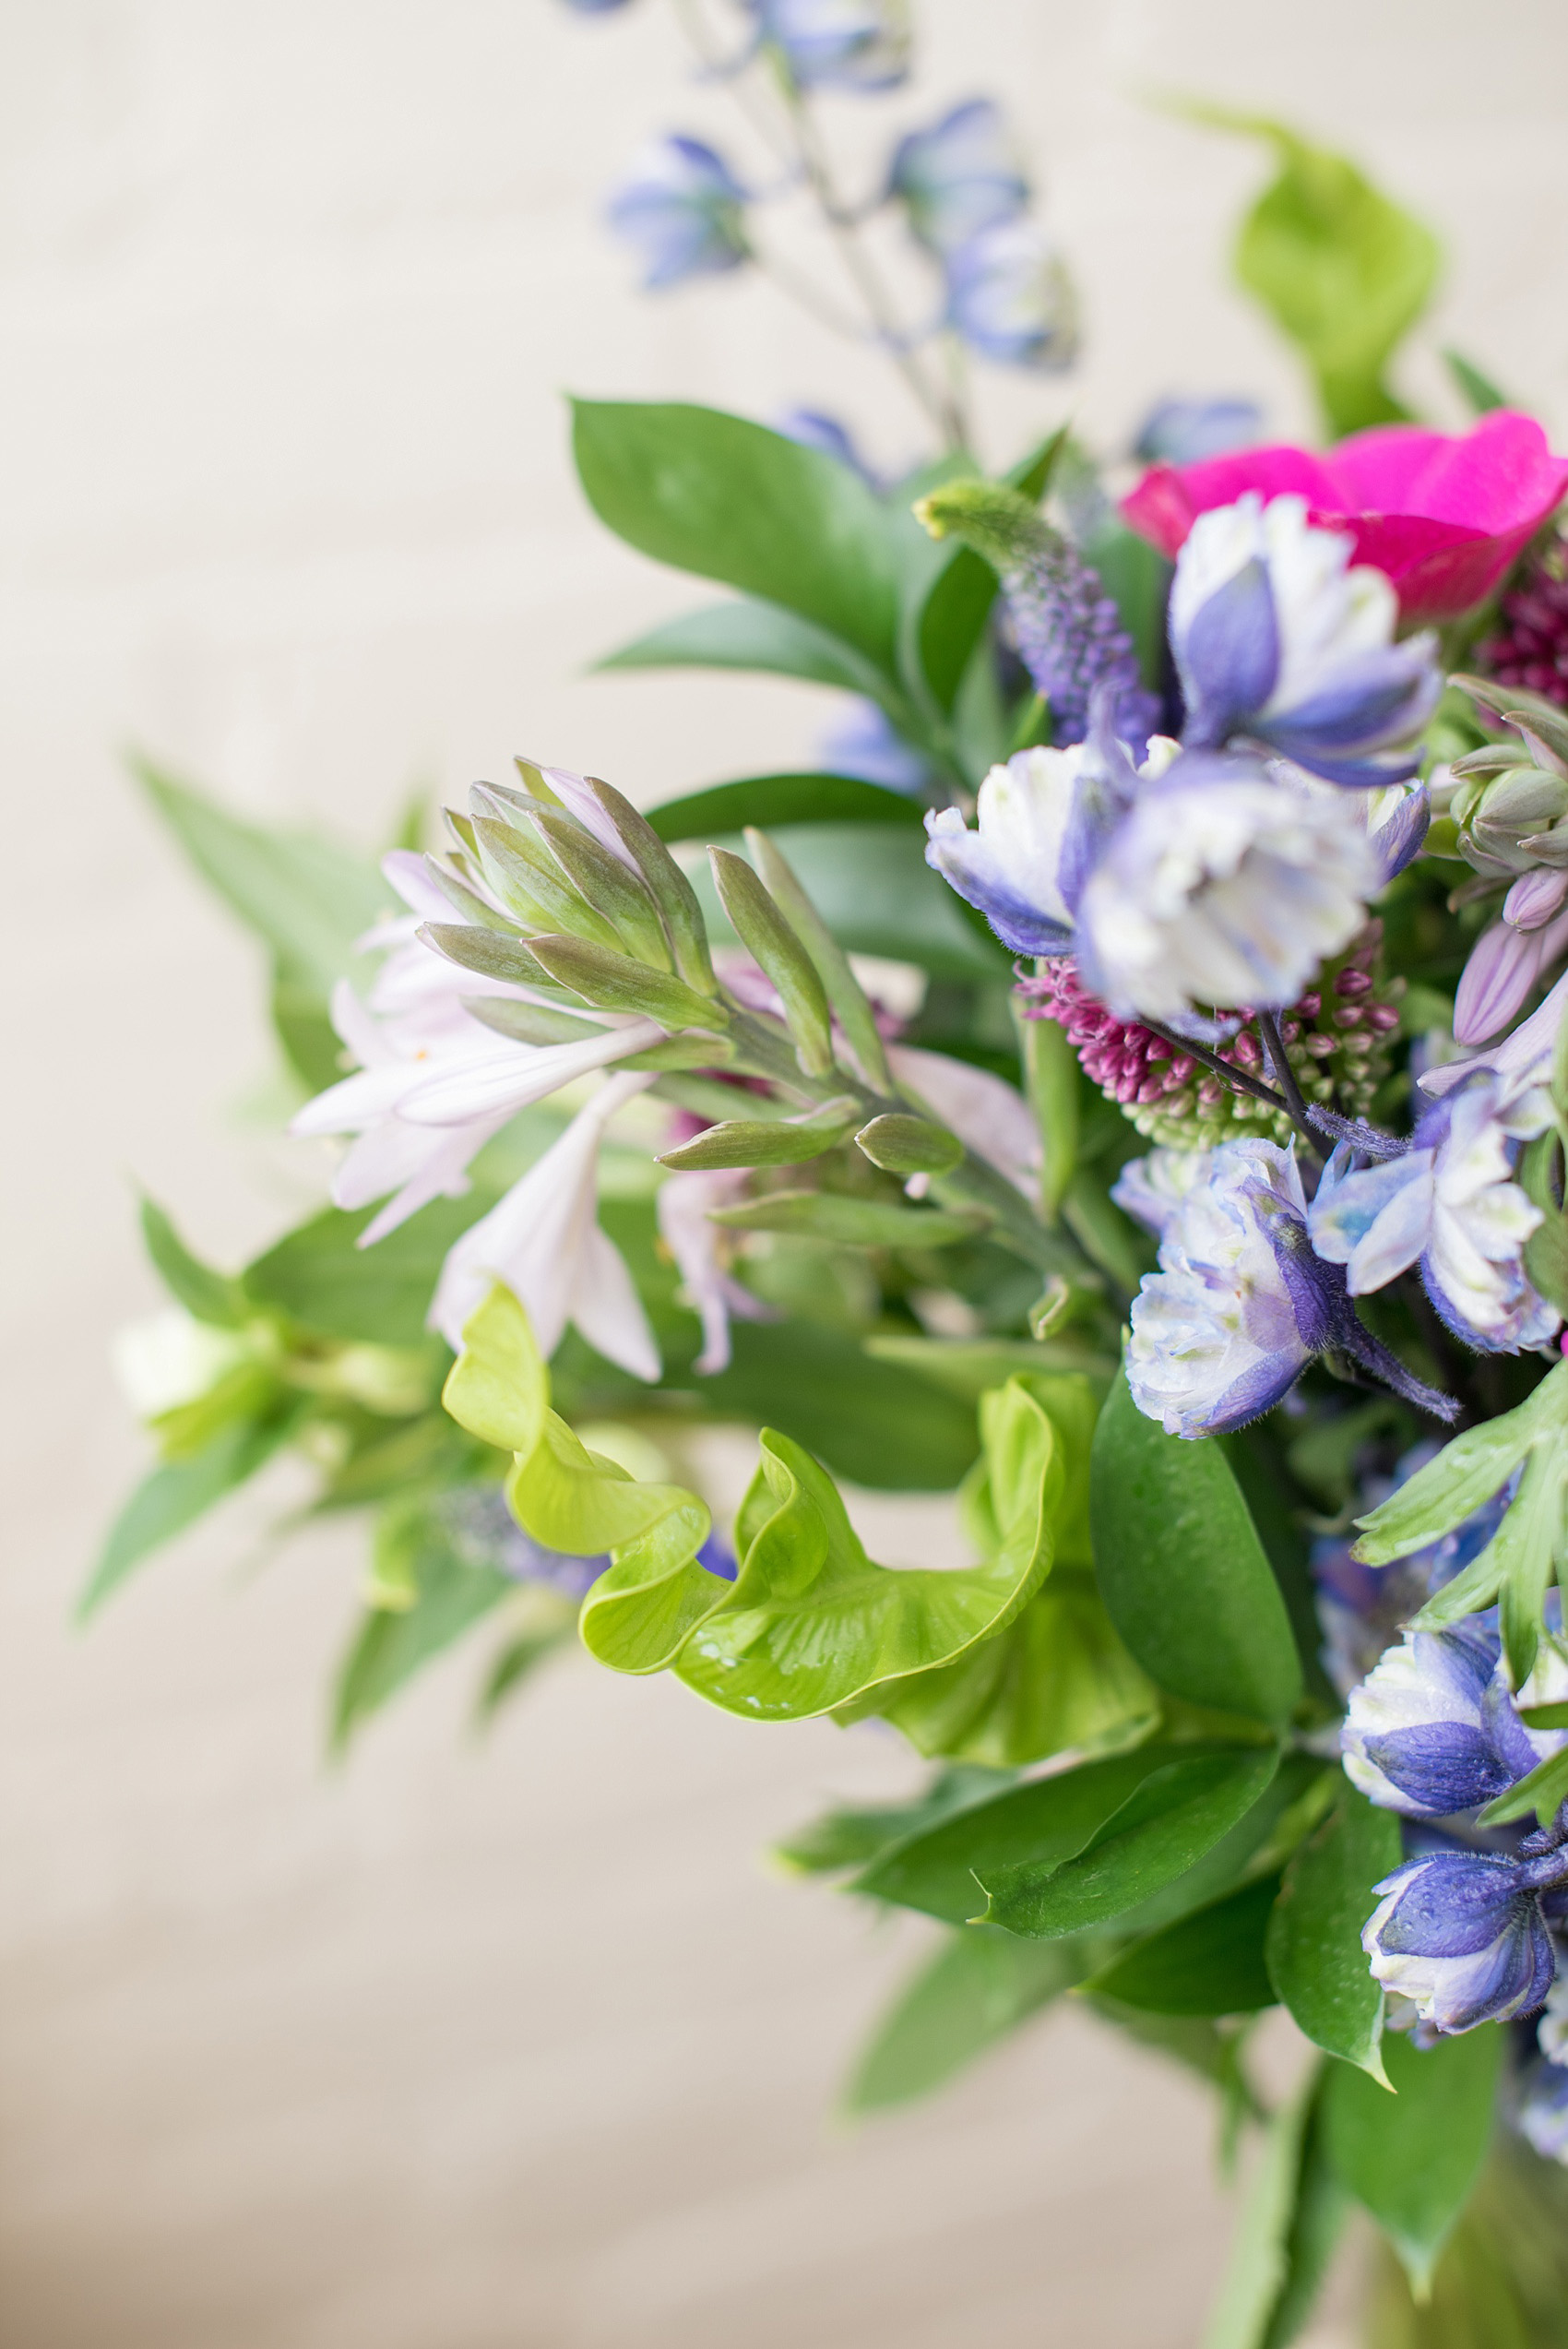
x: 1442, y: 516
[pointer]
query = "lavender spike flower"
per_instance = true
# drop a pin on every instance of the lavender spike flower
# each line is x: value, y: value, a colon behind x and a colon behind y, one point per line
x: 1068, y: 631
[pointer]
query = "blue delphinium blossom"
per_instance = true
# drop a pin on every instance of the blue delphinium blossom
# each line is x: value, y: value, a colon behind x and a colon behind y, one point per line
x: 1280, y: 640
x: 959, y: 177
x: 1009, y: 296
x: 681, y: 210
x: 483, y: 1531
x: 1186, y: 432
x: 840, y: 44
x: 813, y: 428
x: 1434, y: 1730
x: 595, y: 8
x: 1448, y: 1201
x: 1541, y: 2113
x: 1463, y: 1936
x: 866, y: 744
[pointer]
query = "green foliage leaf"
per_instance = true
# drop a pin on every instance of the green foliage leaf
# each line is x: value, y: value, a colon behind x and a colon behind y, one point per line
x: 1210, y: 1963
x: 747, y: 634
x: 1466, y: 1473
x: 319, y: 1277
x: 179, y: 1492
x: 769, y: 801
x: 1543, y: 1791
x: 415, y: 1550
x: 843, y: 1839
x: 1315, y: 1957
x: 1477, y: 389
x: 1289, y: 2223
x: 871, y: 1421
x: 1165, y: 1826
x: 210, y: 1296
x: 1046, y: 1822
x: 978, y: 1986
x: 1412, y: 2158
x: 308, y: 899
x: 1183, y: 1571
x: 811, y: 1624
x: 1546, y: 1250
x: 847, y: 1222
x: 1344, y: 271
x: 731, y: 500
x: 1136, y: 578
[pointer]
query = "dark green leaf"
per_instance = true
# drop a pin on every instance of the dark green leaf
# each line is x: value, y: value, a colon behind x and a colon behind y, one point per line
x: 414, y: 1546
x: 1314, y: 1943
x: 207, y: 1295
x: 978, y: 1986
x: 849, y: 1223
x: 771, y: 800
x: 731, y: 500
x: 750, y: 634
x: 174, y: 1496
x: 1412, y: 2158
x: 1168, y: 1824
x: 1546, y: 1250
x: 953, y: 622
x: 1544, y: 1792
x: 843, y: 1839
x: 1048, y: 1821
x: 1182, y: 1570
x: 319, y: 1278
x: 1208, y: 1963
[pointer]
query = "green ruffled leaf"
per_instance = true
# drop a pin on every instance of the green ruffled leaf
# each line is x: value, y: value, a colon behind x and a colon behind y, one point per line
x: 1344, y: 271
x: 1411, y: 2159
x: 979, y: 1987
x: 1174, y: 1816
x: 811, y: 1624
x: 1210, y: 1963
x: 1183, y: 1571
x: 1315, y: 1957
x: 729, y: 500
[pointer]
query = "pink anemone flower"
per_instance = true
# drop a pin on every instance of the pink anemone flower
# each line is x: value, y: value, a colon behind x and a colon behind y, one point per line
x: 1442, y: 516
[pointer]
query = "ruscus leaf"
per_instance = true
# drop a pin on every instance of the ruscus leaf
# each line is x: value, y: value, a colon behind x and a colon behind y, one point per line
x: 1316, y: 1957
x: 1412, y: 2158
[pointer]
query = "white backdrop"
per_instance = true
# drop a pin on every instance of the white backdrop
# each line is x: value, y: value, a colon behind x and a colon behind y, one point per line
x: 463, y: 2048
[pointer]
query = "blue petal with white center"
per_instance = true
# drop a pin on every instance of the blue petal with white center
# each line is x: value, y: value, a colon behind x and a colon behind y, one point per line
x: 1462, y: 1936
x: 1434, y: 1730
x: 681, y: 210
x: 959, y: 177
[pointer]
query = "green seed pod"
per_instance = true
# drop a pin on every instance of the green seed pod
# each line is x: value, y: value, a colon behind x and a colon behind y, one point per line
x: 906, y: 1145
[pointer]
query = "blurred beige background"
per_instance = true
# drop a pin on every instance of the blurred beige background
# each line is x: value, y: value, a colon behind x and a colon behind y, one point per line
x: 462, y: 2047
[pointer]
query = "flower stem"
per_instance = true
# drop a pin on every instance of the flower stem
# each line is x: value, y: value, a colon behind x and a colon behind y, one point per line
x: 1279, y: 1060
x: 1238, y: 1078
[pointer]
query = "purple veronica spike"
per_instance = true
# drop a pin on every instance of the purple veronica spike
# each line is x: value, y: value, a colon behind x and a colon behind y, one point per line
x: 1462, y: 1936
x: 1280, y: 641
x: 1071, y: 639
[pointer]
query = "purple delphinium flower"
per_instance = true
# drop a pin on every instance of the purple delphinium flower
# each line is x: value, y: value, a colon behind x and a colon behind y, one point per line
x: 681, y: 210
x: 1280, y: 640
x: 484, y: 1533
x: 865, y: 744
x: 1462, y: 1935
x: 1541, y: 2113
x: 1434, y: 1730
x: 1448, y: 1201
x: 815, y: 429
x: 1009, y: 296
x: 959, y: 177
x: 840, y: 44
x: 1187, y: 432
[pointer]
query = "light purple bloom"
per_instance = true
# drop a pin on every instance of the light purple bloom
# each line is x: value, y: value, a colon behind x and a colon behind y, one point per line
x: 1279, y: 640
x: 1461, y: 1935
x: 1009, y: 296
x: 865, y: 744
x: 1507, y: 964
x: 1522, y: 1064
x: 685, y: 1204
x: 1542, y: 2112
x: 843, y: 44
x: 1448, y: 1202
x: 1217, y: 1335
x: 680, y: 208
x: 959, y: 177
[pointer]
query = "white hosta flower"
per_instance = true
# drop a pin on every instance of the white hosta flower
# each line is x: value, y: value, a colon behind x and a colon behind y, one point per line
x: 419, y: 1113
x: 1522, y: 1064
x: 417, y: 993
x: 543, y: 1241
x: 1223, y: 886
x: 1216, y: 1338
x: 685, y: 1204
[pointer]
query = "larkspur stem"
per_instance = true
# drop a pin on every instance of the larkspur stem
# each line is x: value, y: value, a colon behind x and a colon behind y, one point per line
x: 1238, y: 1078
x: 1279, y: 1060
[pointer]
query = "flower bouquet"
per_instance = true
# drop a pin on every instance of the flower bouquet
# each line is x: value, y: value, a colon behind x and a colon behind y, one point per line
x: 1125, y: 1083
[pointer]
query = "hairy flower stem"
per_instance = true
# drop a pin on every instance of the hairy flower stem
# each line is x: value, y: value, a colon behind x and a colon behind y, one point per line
x: 1279, y: 1060
x: 1237, y: 1078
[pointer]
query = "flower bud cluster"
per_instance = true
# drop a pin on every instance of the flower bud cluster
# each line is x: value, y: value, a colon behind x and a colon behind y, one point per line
x: 1338, y: 1039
